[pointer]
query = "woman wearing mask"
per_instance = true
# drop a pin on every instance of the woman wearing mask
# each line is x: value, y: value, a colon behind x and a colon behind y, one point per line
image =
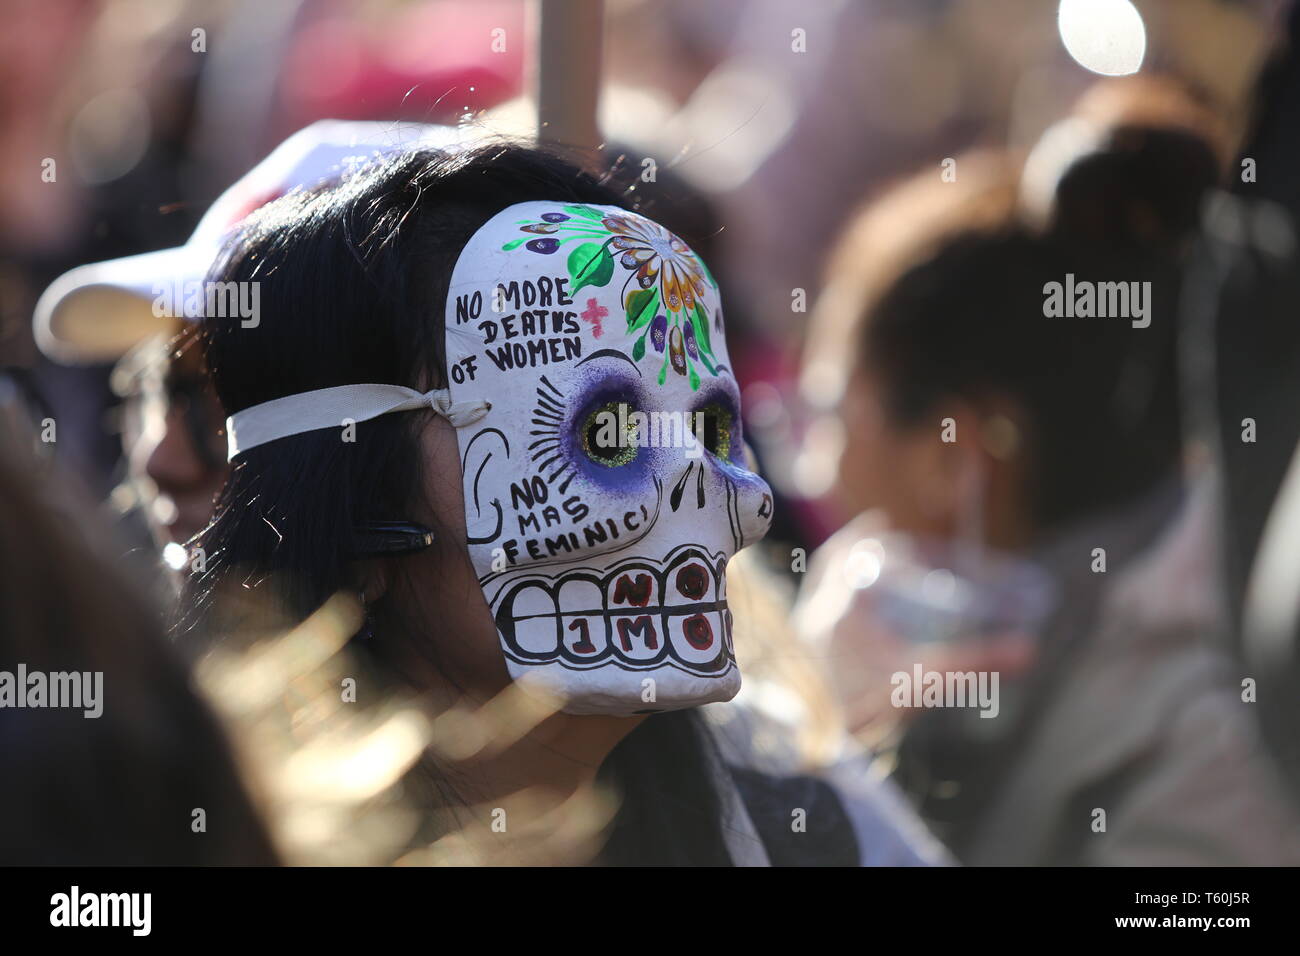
x: 459, y: 404
x: 1030, y: 524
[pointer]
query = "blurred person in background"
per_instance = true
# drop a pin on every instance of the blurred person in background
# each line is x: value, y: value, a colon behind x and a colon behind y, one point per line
x: 741, y: 108
x: 93, y: 117
x: 140, y: 312
x: 145, y: 776
x: 1243, y: 370
x: 1057, y: 538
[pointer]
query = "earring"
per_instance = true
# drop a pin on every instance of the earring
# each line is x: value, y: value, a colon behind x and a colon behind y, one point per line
x: 1000, y: 437
x: 366, y: 633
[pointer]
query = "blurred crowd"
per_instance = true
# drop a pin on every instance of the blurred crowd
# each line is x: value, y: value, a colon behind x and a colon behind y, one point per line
x: 1086, y: 514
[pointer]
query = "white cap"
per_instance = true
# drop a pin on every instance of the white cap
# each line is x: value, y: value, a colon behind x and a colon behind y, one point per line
x: 97, y: 312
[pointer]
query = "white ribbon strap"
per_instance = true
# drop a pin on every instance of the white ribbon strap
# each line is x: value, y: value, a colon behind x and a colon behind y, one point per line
x: 333, y: 407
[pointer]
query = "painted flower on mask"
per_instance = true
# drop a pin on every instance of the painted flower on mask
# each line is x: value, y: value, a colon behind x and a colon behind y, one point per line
x: 656, y: 255
x: 669, y: 283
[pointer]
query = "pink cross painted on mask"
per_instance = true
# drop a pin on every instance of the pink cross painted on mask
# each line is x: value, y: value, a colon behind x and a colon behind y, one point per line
x: 593, y: 314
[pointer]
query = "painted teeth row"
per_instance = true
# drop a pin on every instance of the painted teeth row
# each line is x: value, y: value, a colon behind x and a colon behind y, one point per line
x: 699, y: 641
x: 637, y: 614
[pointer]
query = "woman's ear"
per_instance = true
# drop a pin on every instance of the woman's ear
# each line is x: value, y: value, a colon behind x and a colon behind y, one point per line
x: 977, y: 471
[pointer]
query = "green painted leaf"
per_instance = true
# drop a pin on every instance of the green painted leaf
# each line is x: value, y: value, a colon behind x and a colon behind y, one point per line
x: 641, y: 306
x: 694, y: 377
x: 638, y: 350
x: 590, y: 264
x: 513, y: 244
x: 584, y: 212
x: 663, y: 369
x: 700, y: 322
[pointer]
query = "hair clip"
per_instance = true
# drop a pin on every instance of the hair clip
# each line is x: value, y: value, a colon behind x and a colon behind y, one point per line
x: 391, y: 538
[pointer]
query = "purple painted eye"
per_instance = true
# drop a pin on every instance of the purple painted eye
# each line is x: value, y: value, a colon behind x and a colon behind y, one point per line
x: 690, y: 341
x: 544, y: 246
x: 659, y: 332
x: 676, y: 352
x: 554, y: 217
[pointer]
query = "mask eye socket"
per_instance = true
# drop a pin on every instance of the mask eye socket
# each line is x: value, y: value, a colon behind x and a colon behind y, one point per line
x: 602, y: 439
x: 719, y: 429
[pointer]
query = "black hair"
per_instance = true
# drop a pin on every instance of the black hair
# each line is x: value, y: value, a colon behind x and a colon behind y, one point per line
x: 1140, y: 192
x: 1102, y: 397
x: 353, y: 281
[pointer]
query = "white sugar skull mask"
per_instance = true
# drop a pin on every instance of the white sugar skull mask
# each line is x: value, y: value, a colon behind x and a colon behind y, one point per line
x: 603, y: 561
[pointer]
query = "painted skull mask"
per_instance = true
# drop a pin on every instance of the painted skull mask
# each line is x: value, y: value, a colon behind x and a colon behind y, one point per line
x: 603, y: 561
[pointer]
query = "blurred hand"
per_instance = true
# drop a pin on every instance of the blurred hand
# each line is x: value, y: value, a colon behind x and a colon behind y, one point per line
x: 840, y: 624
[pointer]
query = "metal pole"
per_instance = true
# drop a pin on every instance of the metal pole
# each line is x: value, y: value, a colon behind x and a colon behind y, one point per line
x: 566, y: 77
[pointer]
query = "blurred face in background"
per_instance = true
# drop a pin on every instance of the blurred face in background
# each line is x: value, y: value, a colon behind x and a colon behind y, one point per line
x: 900, y: 470
x: 174, y: 439
x: 921, y: 484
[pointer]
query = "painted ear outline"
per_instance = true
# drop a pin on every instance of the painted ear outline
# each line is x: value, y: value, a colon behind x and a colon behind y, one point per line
x: 482, y: 448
